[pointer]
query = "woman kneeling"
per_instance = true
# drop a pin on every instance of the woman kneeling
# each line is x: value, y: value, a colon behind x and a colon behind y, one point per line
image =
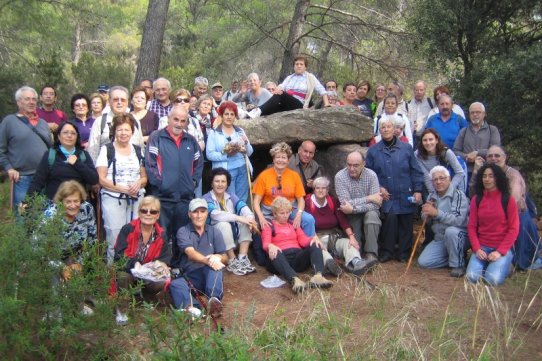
x: 290, y: 250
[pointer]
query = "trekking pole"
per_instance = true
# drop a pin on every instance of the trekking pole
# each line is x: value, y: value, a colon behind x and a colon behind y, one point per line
x: 249, y: 182
x: 11, y: 190
x: 415, y: 246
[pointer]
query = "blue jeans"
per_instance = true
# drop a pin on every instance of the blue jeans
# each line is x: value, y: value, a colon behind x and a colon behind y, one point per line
x: 493, y: 273
x: 205, y: 279
x: 20, y: 189
x: 239, y: 183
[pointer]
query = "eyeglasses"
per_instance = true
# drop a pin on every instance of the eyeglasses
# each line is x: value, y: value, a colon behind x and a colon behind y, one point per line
x: 119, y: 100
x: 279, y: 179
x: 181, y: 100
x: 494, y: 155
x: 154, y: 212
x: 439, y: 179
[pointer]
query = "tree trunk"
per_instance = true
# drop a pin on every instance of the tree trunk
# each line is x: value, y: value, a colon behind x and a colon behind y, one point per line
x: 151, y: 42
x: 323, y: 60
x: 294, y: 37
x: 77, y: 44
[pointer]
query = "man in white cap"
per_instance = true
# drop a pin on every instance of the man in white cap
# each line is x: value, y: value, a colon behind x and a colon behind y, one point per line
x: 202, y: 258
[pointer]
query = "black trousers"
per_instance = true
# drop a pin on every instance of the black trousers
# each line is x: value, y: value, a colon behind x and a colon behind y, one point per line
x: 293, y: 260
x: 396, y: 241
x: 280, y: 103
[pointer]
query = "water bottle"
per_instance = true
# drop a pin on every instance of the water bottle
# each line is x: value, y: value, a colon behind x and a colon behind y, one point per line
x: 411, y: 199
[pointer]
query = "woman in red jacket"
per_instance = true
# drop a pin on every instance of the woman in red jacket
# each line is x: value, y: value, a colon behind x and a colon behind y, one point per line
x: 139, y: 242
x: 493, y: 227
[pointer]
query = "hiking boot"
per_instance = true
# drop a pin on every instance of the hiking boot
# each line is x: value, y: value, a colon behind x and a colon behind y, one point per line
x: 298, y: 286
x: 359, y: 266
x: 457, y: 272
x: 214, y: 307
x: 246, y: 265
x: 332, y: 267
x: 235, y: 267
x: 318, y: 281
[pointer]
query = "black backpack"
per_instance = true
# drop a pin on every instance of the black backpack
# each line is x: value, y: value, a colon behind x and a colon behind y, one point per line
x: 112, y: 159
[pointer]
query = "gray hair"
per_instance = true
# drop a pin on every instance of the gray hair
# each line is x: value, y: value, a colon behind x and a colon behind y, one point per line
x: 253, y: 75
x: 399, y: 86
x: 384, y: 120
x: 444, y: 95
x: 203, y: 98
x: 19, y: 92
x: 321, y: 182
x: 363, y: 155
x: 118, y: 87
x: 480, y: 104
x: 398, y: 121
x: 200, y: 80
x: 439, y: 169
x: 420, y: 82
x: 161, y: 79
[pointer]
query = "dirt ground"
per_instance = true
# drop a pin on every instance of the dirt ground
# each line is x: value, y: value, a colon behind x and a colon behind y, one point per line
x: 432, y: 292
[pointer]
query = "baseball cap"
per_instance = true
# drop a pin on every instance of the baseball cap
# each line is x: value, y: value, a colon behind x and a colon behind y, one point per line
x: 197, y: 203
x: 103, y: 88
x: 217, y: 85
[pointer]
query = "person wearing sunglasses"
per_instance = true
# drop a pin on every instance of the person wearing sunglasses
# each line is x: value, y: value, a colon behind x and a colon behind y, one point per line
x: 148, y: 119
x: 140, y: 242
x: 279, y: 180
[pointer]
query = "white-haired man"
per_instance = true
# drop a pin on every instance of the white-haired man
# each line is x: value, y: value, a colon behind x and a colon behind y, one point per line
x: 24, y: 138
x: 161, y: 104
x: 447, y: 209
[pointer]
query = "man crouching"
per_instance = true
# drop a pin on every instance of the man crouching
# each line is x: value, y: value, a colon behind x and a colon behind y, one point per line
x: 202, y: 258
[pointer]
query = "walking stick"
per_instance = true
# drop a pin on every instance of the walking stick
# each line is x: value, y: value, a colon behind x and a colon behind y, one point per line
x: 249, y: 182
x: 421, y: 231
x: 11, y: 189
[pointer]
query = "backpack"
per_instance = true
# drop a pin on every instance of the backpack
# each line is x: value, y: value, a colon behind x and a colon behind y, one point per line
x: 104, y: 122
x: 504, y: 202
x: 52, y: 157
x: 112, y: 159
x: 442, y: 160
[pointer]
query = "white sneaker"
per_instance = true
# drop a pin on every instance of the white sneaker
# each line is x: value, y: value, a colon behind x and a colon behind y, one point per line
x: 121, y: 318
x: 254, y: 113
x: 246, y: 265
x: 234, y: 266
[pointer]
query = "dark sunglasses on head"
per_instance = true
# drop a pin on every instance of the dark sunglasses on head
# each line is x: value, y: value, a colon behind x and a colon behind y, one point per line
x: 181, y: 100
x: 149, y: 211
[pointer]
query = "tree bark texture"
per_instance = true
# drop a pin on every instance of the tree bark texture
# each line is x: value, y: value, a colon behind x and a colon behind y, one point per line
x: 151, y: 42
x: 294, y: 37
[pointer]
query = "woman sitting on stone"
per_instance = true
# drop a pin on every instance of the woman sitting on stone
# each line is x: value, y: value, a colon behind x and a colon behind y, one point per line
x: 233, y: 218
x: 279, y: 180
x: 331, y: 228
x: 291, y: 251
x: 493, y: 227
x: 294, y: 92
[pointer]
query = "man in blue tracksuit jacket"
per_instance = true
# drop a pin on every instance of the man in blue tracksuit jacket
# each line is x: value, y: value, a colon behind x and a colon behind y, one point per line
x: 174, y: 164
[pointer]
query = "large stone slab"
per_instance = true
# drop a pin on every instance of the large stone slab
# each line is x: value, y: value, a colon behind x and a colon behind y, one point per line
x: 323, y: 126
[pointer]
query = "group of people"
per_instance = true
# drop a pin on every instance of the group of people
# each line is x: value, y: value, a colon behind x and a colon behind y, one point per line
x: 146, y: 166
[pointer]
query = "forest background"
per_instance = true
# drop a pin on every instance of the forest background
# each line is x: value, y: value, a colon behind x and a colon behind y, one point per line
x: 485, y: 50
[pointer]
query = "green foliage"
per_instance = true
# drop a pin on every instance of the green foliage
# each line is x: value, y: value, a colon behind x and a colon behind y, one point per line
x: 40, y: 316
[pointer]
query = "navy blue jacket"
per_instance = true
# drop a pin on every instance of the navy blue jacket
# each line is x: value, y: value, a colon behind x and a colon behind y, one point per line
x: 173, y: 172
x: 399, y: 172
